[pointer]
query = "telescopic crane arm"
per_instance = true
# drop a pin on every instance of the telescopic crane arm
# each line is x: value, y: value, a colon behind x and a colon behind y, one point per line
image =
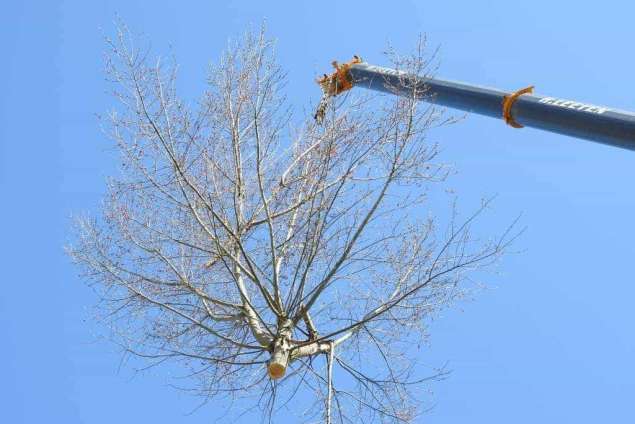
x: 518, y: 109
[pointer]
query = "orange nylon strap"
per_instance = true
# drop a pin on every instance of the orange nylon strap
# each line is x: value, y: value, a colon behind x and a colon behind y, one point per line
x: 508, y: 102
x: 340, y: 80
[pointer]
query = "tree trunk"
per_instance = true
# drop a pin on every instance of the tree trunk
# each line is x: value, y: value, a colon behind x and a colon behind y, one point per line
x: 281, y: 351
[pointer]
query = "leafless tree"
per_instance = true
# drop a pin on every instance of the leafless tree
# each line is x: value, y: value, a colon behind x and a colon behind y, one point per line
x: 273, y: 256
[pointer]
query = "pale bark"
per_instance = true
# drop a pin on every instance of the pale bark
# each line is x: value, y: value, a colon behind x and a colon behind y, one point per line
x: 267, y: 260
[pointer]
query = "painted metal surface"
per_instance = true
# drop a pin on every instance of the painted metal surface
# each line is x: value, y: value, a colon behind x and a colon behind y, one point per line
x: 596, y: 123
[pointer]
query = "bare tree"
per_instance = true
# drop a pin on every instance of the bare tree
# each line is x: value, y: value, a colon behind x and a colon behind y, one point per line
x: 273, y: 257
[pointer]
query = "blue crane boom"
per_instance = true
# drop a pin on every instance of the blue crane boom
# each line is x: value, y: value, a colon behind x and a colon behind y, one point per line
x: 521, y: 108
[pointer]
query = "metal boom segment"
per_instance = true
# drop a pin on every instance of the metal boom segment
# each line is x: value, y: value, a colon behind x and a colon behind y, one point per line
x: 596, y: 123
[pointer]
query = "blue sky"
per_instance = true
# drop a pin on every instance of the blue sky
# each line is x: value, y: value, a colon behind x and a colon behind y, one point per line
x: 552, y: 337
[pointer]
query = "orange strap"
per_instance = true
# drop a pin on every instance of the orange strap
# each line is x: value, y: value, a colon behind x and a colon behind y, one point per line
x: 340, y: 80
x: 508, y: 102
x: 343, y: 80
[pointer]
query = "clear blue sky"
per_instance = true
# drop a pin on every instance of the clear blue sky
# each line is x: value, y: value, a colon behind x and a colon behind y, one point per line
x: 553, y: 338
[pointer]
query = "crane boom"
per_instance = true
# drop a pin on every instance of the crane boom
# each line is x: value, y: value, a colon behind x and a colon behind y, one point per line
x: 596, y: 123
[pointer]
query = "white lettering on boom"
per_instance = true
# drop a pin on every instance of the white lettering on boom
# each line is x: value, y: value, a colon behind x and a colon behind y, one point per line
x: 568, y: 104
